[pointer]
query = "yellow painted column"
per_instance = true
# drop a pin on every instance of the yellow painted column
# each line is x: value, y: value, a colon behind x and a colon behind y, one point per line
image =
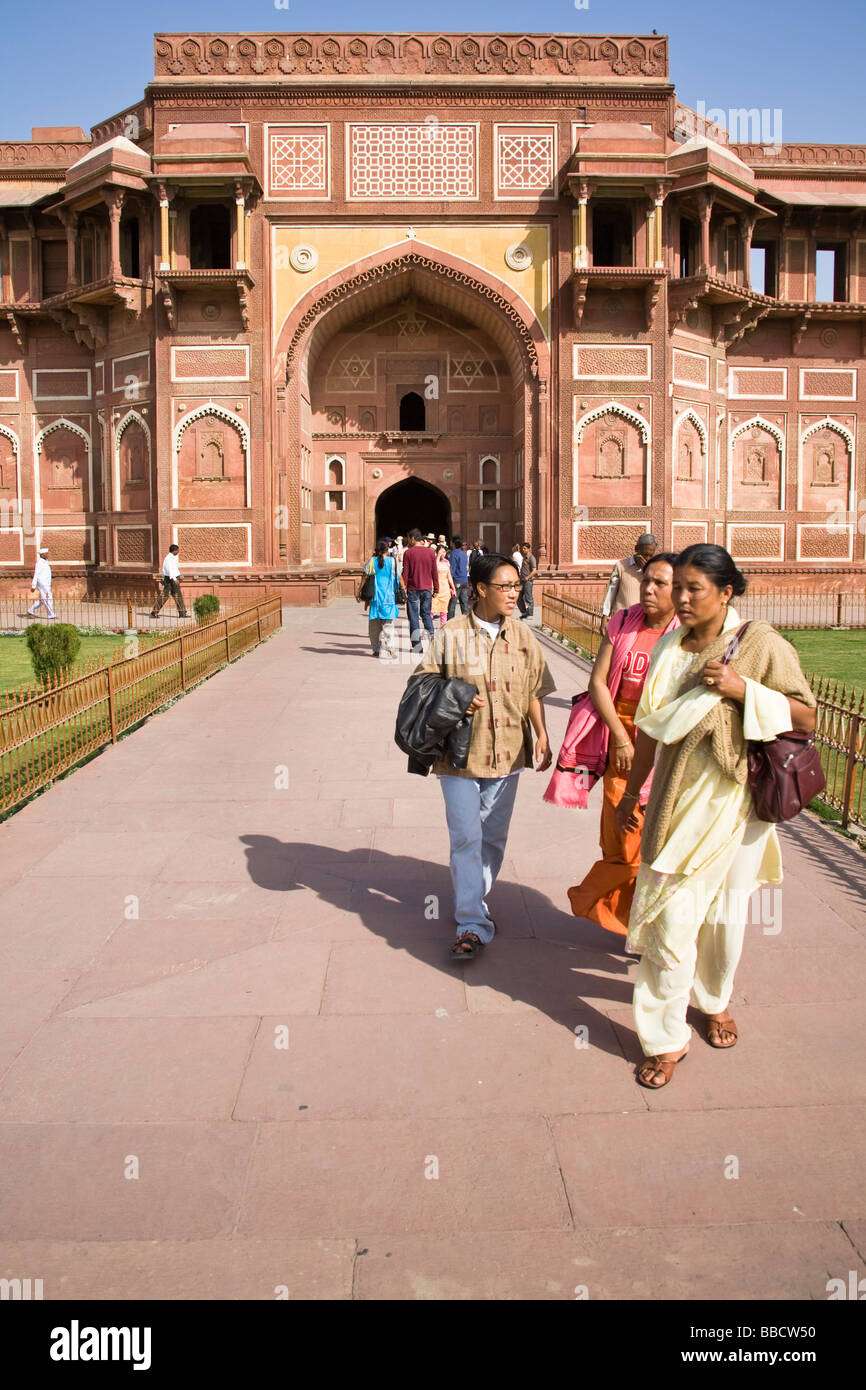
x: 240, y: 229
x: 164, y: 262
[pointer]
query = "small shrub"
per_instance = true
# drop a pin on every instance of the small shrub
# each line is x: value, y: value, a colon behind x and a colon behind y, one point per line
x: 52, y: 649
x: 206, y: 607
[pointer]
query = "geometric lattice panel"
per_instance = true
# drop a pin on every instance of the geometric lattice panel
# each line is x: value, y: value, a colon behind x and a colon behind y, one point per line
x: 525, y: 158
x: 426, y: 160
x: 298, y: 162
x: 133, y: 545
x: 214, y: 545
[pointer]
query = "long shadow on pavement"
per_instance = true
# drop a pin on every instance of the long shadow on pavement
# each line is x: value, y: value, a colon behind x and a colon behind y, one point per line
x: 388, y: 893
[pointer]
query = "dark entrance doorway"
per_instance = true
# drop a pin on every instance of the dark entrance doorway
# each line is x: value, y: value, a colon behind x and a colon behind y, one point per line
x: 413, y: 503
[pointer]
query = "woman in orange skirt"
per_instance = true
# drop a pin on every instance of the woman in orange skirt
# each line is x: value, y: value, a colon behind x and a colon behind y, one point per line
x: 606, y: 892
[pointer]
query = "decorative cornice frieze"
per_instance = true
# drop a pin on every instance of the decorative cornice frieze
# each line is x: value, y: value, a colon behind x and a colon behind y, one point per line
x: 821, y: 156
x: 209, y: 56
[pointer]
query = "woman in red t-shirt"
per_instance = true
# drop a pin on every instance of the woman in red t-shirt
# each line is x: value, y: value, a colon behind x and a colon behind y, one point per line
x: 606, y: 892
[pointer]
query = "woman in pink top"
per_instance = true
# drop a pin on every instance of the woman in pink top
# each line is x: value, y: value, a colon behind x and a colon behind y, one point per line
x: 446, y: 590
x: 615, y: 687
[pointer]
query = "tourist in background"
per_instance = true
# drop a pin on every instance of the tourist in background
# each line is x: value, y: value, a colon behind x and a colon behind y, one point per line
x: 459, y: 563
x: 528, y: 571
x: 601, y: 729
x: 623, y: 589
x: 446, y: 592
x: 421, y: 581
x: 383, y: 605
x: 171, y: 584
x: 42, y: 584
x: 703, y: 849
x: 504, y: 660
x: 517, y: 556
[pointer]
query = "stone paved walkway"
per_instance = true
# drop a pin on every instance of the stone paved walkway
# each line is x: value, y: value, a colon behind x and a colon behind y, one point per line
x: 234, y: 1055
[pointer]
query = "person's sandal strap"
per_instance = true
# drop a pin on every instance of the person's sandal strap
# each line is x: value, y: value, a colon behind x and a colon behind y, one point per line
x: 666, y: 1066
x: 717, y: 1026
x: 474, y: 942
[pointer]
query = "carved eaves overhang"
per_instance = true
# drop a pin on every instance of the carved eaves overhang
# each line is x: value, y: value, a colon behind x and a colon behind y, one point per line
x: 86, y: 310
x: 735, y: 309
x: 173, y: 282
x: 614, y: 278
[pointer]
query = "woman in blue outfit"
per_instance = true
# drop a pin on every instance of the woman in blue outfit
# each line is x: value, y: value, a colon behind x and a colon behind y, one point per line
x: 383, y: 607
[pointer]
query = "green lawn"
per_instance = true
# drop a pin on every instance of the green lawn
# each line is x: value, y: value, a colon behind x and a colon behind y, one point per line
x: 839, y: 655
x: 16, y: 668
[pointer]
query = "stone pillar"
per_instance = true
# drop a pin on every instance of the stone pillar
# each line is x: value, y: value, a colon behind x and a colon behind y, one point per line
x: 164, y: 255
x: 705, y: 209
x: 746, y: 222
x: 581, y: 250
x: 240, y: 227
x: 658, y: 241
x: 70, y: 222
x: 650, y: 232
x: 542, y: 511
x: 114, y: 199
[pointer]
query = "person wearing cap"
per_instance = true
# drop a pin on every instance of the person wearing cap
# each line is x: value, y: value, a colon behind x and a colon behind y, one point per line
x: 430, y: 540
x: 170, y: 584
x: 42, y: 584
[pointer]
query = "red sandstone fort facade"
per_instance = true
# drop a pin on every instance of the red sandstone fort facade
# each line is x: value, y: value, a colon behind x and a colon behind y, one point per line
x: 312, y: 289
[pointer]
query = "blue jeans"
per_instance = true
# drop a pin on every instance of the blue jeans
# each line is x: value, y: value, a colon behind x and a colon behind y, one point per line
x: 418, y: 599
x: 462, y: 597
x: 478, y: 811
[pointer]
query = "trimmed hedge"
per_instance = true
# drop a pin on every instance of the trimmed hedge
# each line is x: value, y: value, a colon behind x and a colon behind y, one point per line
x: 206, y: 607
x: 52, y: 649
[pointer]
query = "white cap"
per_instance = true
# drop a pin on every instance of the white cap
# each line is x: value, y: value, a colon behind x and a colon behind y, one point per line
x: 43, y: 550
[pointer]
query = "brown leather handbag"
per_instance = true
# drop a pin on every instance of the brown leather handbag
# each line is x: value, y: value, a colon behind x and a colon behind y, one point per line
x: 784, y: 773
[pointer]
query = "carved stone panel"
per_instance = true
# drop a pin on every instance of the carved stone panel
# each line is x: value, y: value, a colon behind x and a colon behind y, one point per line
x: 211, y: 465
x: 756, y: 471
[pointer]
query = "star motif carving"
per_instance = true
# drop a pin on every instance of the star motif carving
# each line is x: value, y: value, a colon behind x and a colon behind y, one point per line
x: 467, y: 369
x: 356, y: 369
x: 411, y: 326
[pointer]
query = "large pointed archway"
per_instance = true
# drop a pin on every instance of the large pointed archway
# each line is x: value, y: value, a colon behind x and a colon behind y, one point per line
x: 472, y: 349
x: 410, y: 503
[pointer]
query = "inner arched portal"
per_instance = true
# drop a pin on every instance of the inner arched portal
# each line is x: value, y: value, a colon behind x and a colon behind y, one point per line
x: 401, y: 384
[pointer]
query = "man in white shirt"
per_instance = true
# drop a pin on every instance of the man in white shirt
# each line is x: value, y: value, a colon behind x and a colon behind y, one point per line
x: 623, y: 590
x: 170, y: 584
x: 42, y: 584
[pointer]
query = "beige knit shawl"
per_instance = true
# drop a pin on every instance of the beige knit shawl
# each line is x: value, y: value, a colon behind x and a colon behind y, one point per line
x: 763, y: 656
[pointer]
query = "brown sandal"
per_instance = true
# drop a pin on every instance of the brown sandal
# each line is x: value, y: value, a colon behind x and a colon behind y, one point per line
x: 470, y: 939
x: 666, y: 1065
x: 717, y: 1026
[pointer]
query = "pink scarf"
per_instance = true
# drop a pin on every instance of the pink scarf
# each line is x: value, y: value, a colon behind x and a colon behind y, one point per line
x: 583, y: 755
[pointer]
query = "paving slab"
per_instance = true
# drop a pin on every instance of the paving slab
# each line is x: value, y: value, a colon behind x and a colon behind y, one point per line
x: 144, y: 1181
x: 224, y: 1269
x: 750, y: 1262
x: 128, y: 1069
x: 715, y: 1167
x: 363, y: 1176
x: 448, y: 1064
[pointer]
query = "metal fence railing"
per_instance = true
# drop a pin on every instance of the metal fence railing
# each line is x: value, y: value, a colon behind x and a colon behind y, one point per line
x: 47, y: 730
x: 803, y: 608
x: 108, y: 612
x: 840, y: 736
x: 840, y: 733
x: 574, y: 620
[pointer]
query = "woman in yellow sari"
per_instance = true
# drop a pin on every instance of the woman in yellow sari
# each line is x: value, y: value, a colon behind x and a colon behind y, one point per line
x: 703, y: 849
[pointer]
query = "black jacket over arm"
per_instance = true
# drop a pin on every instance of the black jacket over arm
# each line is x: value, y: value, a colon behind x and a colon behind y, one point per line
x: 432, y: 721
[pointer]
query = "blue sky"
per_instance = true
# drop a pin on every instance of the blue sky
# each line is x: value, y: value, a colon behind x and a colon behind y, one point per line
x: 805, y: 59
